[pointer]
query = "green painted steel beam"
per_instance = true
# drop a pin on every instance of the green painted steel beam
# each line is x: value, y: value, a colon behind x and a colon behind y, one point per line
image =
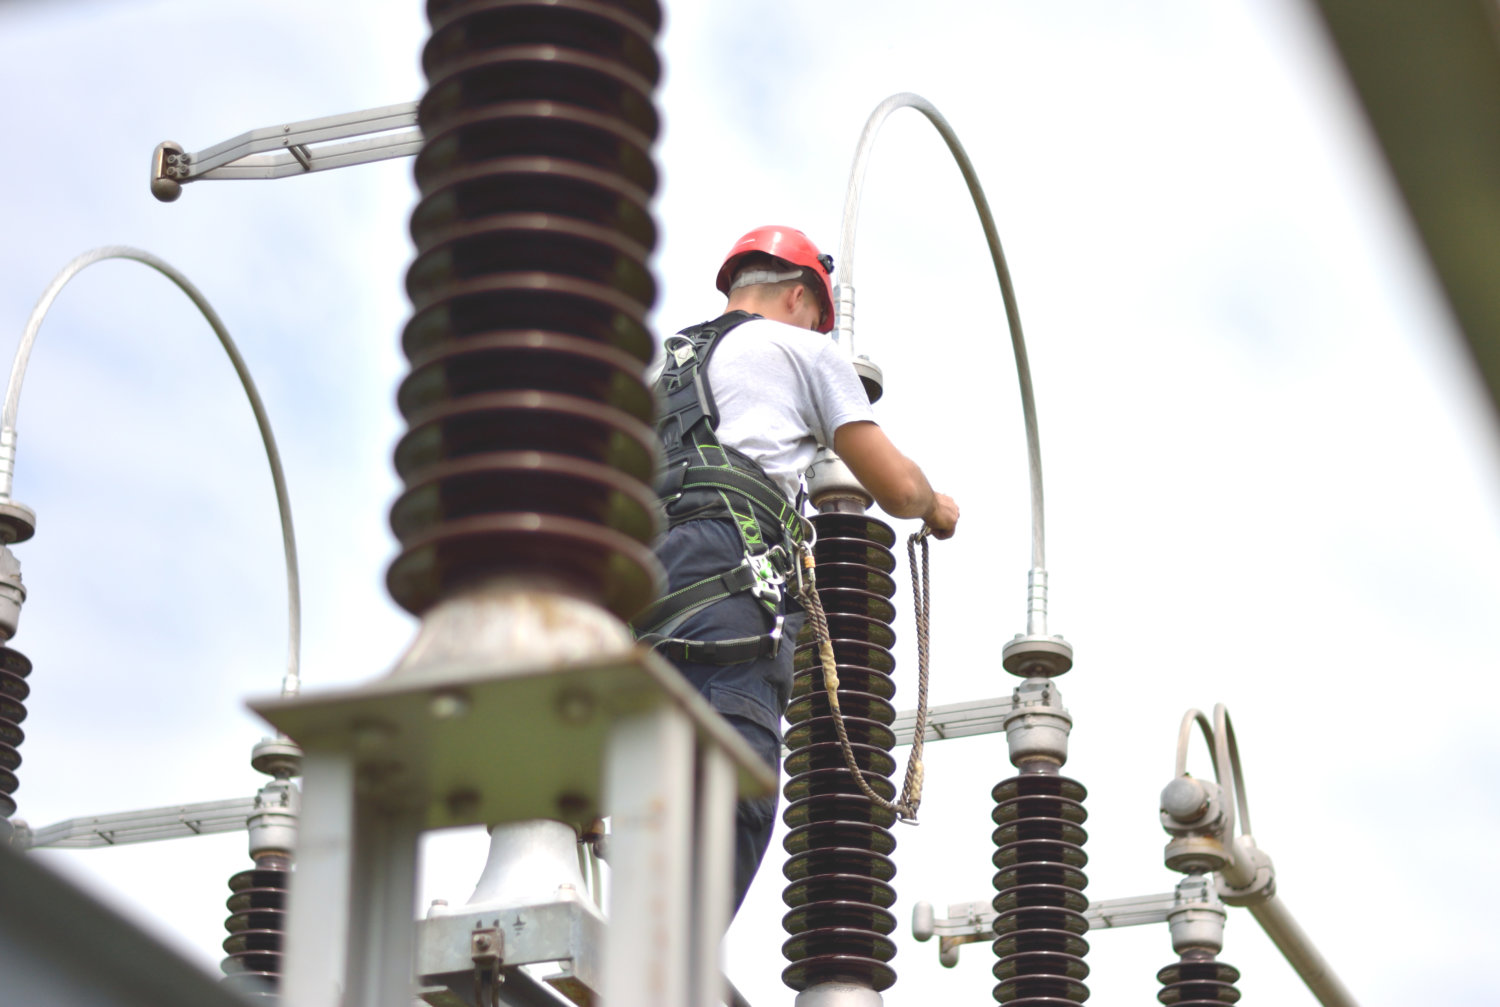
x: 1428, y: 75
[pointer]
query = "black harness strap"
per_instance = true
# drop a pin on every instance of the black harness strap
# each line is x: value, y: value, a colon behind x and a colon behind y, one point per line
x: 681, y: 479
x: 690, y: 599
x: 745, y: 648
x: 700, y: 478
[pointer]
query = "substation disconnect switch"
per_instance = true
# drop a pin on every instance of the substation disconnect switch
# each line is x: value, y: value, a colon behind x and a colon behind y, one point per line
x: 1192, y: 813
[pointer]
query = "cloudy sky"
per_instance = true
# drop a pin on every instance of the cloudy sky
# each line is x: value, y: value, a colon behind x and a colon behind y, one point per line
x: 1271, y: 477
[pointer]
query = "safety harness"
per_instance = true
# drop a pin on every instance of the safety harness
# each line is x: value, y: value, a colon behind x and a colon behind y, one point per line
x: 701, y: 478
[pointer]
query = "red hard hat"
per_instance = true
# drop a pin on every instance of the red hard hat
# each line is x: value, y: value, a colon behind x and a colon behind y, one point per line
x: 793, y: 246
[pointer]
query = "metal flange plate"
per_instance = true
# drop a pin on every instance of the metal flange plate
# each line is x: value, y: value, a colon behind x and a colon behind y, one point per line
x: 471, y: 746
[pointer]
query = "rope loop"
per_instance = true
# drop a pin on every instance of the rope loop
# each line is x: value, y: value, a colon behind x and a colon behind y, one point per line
x: 911, y: 788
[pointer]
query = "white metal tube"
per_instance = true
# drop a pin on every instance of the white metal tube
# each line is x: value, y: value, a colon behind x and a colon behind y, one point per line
x: 317, y: 931
x: 1298, y: 949
x: 713, y: 888
x: 648, y: 776
x: 845, y: 266
x: 1185, y: 734
x: 381, y: 961
x: 291, y: 682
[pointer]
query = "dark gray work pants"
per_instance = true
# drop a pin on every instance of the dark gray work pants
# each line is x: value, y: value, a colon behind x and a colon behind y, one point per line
x: 751, y: 695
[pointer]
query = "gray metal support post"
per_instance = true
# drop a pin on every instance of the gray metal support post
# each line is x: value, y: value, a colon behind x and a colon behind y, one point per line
x: 350, y: 940
x: 382, y: 940
x: 648, y: 786
x: 317, y: 933
x: 1301, y: 953
x: 713, y: 871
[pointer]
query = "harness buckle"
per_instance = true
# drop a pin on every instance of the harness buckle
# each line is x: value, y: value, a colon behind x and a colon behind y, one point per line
x: 769, y: 580
x: 775, y: 634
x: 681, y: 354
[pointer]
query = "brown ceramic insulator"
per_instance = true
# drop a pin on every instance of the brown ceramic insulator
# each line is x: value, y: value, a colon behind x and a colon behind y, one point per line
x: 856, y: 552
x: 257, y: 907
x: 861, y: 731
x: 841, y: 914
x: 1039, y: 940
x: 869, y: 666
x: 837, y: 576
x: 865, y: 705
x: 518, y: 481
x: 859, y: 602
x: 624, y: 27
x: 14, y: 667
x: 529, y: 270
x: 526, y: 420
x: 529, y: 451
x: 839, y: 833
x: 828, y: 787
x: 527, y: 359
x: 1198, y: 980
x: 839, y: 843
x: 830, y: 755
x: 1039, y: 901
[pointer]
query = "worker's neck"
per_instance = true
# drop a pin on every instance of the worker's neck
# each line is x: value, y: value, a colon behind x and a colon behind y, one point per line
x: 764, y: 306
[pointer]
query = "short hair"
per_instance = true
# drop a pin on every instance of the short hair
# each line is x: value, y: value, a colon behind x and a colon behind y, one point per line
x: 765, y: 262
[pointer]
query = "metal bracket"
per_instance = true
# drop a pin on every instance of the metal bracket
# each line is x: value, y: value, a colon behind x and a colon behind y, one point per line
x: 956, y: 720
x: 953, y: 720
x: 969, y: 922
x: 486, y: 946
x: 1249, y: 861
x: 299, y: 148
x: 175, y: 822
x: 568, y: 932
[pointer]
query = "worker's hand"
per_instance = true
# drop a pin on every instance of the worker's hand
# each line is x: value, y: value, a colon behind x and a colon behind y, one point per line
x: 942, y: 516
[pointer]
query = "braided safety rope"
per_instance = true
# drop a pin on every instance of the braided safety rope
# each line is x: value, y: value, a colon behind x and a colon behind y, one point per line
x: 911, y: 788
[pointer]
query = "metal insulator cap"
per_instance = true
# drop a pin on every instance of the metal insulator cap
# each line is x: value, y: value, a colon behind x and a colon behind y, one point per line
x: 871, y: 376
x: 277, y: 757
x: 1037, y: 656
x: 17, y: 522
x: 829, y: 480
x: 1185, y: 800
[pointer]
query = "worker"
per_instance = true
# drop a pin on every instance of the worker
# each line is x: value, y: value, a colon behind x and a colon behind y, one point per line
x: 745, y: 401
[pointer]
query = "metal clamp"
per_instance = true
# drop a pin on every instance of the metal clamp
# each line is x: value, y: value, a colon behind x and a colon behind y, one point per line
x: 1197, y: 917
x: 769, y: 581
x: 1252, y: 879
x: 486, y: 946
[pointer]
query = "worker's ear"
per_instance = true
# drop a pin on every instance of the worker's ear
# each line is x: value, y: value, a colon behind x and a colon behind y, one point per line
x: 795, y: 295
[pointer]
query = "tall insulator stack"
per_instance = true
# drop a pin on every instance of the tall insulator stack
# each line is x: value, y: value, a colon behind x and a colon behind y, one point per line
x: 529, y: 452
x: 256, y: 922
x: 1039, y: 902
x: 840, y: 841
x: 1039, y: 882
x: 17, y: 524
x: 257, y: 897
x: 14, y: 667
x: 1198, y: 980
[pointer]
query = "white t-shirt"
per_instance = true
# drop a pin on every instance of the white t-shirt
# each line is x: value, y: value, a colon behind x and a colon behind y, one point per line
x: 781, y: 392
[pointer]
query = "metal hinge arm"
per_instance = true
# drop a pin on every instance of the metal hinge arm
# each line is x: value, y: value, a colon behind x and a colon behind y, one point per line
x: 291, y: 149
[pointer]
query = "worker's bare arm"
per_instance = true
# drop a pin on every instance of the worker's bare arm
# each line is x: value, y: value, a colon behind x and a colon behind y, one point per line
x: 894, y: 480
